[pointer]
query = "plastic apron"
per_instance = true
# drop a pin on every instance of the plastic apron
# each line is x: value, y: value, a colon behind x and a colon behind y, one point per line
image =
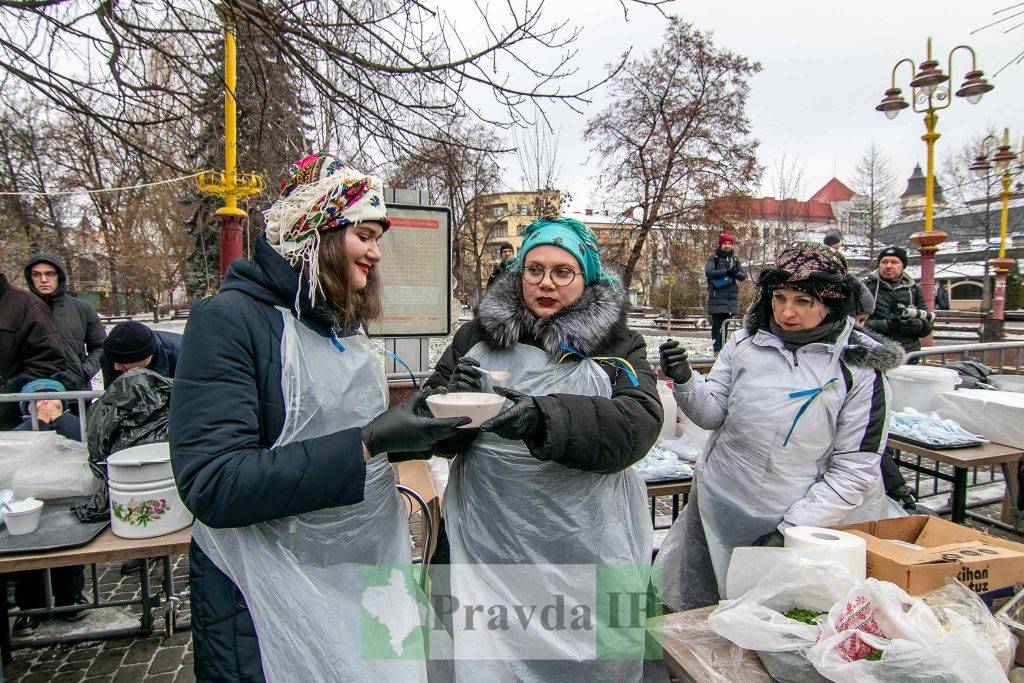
x: 749, y: 475
x: 503, y: 506
x: 301, y: 575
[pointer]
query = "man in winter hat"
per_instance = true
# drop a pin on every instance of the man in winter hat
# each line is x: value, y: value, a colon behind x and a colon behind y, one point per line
x: 723, y: 272
x: 900, y: 310
x: 133, y: 345
x: 81, y: 331
x: 506, y: 252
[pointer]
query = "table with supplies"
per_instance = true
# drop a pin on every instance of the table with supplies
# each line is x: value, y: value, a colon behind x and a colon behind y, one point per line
x: 693, y: 652
x: 961, y: 460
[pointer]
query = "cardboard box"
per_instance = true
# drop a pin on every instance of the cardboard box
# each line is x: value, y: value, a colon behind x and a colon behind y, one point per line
x: 919, y: 553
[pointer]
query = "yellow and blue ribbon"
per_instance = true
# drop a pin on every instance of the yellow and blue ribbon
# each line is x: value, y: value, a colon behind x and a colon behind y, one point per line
x: 398, y: 359
x: 615, y: 361
x: 811, y: 394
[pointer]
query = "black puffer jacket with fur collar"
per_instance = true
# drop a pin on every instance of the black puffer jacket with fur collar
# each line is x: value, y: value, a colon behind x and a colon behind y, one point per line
x: 590, y: 433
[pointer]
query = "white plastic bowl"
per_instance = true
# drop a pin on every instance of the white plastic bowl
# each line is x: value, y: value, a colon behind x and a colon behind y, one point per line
x: 23, y: 517
x: 477, y: 406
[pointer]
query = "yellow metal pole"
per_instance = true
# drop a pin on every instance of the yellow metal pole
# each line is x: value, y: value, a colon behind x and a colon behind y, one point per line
x: 230, y: 123
x: 930, y: 121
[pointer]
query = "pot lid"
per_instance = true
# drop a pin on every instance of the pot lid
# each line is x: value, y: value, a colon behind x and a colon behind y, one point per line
x: 146, y: 454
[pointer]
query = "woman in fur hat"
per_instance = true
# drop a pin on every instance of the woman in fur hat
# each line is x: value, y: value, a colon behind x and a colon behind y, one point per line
x: 548, y: 481
x: 798, y: 402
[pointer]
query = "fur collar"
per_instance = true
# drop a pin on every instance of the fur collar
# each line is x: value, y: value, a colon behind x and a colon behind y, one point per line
x: 863, y: 348
x: 587, y: 324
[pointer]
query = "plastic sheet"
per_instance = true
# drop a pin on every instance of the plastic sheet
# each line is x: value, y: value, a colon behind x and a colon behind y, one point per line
x: 706, y: 656
x: 660, y: 464
x: 44, y: 465
x: 684, y: 447
x: 930, y: 428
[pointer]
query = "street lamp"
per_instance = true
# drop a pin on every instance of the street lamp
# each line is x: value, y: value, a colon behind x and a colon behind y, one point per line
x: 1007, y: 164
x: 930, y: 90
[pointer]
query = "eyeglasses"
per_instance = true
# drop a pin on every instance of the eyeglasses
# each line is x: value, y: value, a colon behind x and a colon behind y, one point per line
x: 44, y: 275
x: 560, y: 276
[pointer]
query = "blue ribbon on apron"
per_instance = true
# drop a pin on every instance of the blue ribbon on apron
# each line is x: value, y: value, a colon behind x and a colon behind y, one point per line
x: 398, y: 359
x: 811, y: 394
x: 610, y: 360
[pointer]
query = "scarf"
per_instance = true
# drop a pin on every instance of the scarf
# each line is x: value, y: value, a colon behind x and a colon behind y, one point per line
x: 794, y: 339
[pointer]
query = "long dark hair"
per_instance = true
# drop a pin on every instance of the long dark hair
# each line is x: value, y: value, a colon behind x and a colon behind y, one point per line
x: 351, y: 306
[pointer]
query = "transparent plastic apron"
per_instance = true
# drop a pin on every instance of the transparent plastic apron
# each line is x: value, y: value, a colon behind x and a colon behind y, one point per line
x: 503, y: 506
x: 301, y: 575
x: 751, y: 476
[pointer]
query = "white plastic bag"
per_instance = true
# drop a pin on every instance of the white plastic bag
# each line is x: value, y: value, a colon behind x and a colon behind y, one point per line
x: 757, y: 620
x: 957, y: 600
x: 45, y: 465
x: 915, y: 646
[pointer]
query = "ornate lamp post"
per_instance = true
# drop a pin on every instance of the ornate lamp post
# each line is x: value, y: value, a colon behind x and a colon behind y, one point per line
x: 1007, y: 164
x: 930, y: 92
x: 229, y: 184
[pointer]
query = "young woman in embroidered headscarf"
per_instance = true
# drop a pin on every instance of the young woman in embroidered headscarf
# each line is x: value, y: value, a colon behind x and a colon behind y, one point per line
x: 278, y: 439
x: 548, y: 481
x: 798, y: 402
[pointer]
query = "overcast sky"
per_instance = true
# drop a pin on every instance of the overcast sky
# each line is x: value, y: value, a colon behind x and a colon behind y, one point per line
x: 826, y: 64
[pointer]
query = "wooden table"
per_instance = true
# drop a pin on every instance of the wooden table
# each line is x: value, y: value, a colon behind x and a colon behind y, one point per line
x: 104, y: 548
x: 674, y: 488
x: 693, y: 652
x: 961, y: 459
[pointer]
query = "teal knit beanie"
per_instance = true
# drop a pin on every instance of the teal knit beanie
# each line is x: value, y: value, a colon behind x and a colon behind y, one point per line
x: 575, y: 238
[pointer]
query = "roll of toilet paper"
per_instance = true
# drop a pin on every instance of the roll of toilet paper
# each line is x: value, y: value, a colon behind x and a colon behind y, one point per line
x: 846, y: 550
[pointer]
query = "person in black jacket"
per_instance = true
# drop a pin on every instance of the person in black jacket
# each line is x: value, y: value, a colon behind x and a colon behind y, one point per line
x: 506, y: 252
x: 549, y: 480
x: 900, y: 310
x: 67, y: 582
x: 724, y: 272
x: 311, y: 282
x: 30, y: 346
x: 133, y: 345
x: 80, y: 328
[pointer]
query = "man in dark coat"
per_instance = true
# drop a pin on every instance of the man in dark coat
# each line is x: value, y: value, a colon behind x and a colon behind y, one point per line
x: 505, y: 253
x: 30, y: 346
x: 81, y: 331
x: 723, y: 272
x: 895, y: 292
x: 133, y: 345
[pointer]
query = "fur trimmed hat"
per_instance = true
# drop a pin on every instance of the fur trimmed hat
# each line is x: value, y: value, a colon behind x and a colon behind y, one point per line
x: 813, y: 268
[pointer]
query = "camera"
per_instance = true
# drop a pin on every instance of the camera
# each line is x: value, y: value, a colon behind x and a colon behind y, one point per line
x: 912, y: 312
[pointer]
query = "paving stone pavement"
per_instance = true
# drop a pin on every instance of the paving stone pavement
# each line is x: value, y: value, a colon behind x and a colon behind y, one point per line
x: 168, y: 659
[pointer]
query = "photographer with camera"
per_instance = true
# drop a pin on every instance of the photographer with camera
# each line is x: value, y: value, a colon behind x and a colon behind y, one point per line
x: 900, y: 311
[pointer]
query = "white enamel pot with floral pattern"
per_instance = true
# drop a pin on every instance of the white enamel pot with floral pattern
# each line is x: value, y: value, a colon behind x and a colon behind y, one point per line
x: 144, y: 500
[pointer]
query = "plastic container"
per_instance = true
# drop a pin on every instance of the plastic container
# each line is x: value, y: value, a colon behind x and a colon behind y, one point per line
x: 1014, y: 383
x: 916, y: 386
x: 144, y: 500
x: 23, y: 517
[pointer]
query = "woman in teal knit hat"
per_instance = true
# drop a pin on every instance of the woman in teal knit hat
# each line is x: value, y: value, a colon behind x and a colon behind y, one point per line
x: 548, y: 481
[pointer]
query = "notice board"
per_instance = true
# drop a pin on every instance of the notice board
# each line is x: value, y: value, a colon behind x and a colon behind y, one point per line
x: 415, y: 271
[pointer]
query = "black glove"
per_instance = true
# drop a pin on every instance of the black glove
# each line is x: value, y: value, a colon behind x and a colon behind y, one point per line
x: 408, y: 427
x: 519, y: 422
x: 774, y: 539
x: 674, y: 363
x: 69, y: 379
x: 732, y: 271
x: 465, y: 377
x: 911, y: 325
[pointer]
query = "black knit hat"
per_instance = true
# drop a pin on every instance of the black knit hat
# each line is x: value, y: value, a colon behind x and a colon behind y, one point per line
x: 832, y: 239
x: 129, y: 343
x: 898, y: 252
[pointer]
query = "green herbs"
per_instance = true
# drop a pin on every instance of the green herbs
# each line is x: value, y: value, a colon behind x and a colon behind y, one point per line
x: 804, y: 615
x: 874, y: 656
